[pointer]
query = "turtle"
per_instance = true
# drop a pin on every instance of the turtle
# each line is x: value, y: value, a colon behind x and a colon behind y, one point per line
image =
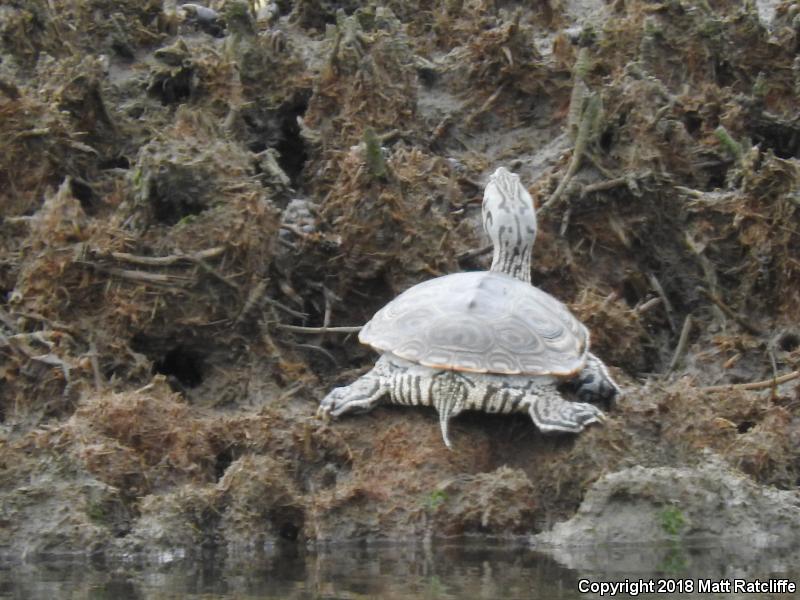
x: 486, y: 340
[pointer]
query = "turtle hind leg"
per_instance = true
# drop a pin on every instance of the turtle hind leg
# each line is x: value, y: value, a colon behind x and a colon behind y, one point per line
x: 594, y: 384
x: 364, y: 394
x: 449, y: 394
x: 551, y: 412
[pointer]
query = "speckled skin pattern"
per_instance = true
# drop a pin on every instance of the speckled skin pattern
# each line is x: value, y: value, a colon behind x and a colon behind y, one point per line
x: 485, y: 341
x: 510, y: 221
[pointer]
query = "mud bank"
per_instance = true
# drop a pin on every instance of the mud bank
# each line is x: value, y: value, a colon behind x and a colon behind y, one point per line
x: 182, y: 189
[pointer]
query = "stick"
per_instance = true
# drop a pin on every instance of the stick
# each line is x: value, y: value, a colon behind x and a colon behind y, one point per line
x: 145, y: 277
x: 747, y: 325
x: 293, y: 389
x: 54, y: 324
x: 21, y: 219
x: 320, y: 349
x: 667, y: 305
x: 474, y: 253
x: 683, y: 340
x: 6, y: 320
x: 588, y: 117
x: 283, y: 307
x: 646, y: 306
x: 214, y: 273
x: 98, y: 377
x: 486, y: 105
x: 600, y: 186
x: 301, y: 329
x: 155, y: 261
x: 753, y: 385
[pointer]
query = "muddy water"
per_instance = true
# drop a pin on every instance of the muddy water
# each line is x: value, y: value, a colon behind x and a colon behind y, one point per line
x: 446, y: 572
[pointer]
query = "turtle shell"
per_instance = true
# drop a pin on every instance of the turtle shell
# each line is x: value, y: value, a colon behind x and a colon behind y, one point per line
x: 484, y: 322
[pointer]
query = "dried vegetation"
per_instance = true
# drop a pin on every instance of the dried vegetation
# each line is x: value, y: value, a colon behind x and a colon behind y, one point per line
x: 178, y: 186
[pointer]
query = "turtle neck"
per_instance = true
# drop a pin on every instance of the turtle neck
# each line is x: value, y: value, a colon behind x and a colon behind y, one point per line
x: 510, y: 221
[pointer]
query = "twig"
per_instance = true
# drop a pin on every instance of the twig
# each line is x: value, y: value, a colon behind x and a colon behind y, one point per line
x: 753, y: 385
x: 150, y: 385
x: 601, y: 186
x: 284, y: 308
x: 562, y: 230
x: 20, y: 219
x: 696, y: 194
x: 486, y: 105
x: 29, y: 133
x: 390, y: 135
x: 53, y: 324
x: 145, y: 277
x: 155, y: 261
x: 98, y: 378
x: 616, y: 226
x: 474, y: 253
x: 667, y: 305
x: 326, y: 320
x: 215, y: 274
x: 54, y: 360
x: 6, y: 320
x: 253, y: 298
x: 646, y: 306
x: 661, y: 112
x: 588, y: 118
x: 747, y: 325
x: 291, y: 391
x: 592, y: 158
x: 141, y: 276
x: 683, y: 340
x: 733, y: 360
x: 608, y: 300
x: 295, y: 230
x: 314, y: 330
x: 774, y: 364
x: 321, y: 350
x: 441, y: 128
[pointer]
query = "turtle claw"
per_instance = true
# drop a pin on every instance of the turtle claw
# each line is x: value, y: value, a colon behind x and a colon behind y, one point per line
x: 323, y: 413
x: 586, y: 414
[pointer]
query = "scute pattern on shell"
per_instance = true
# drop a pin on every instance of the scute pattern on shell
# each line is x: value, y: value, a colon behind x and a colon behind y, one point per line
x: 484, y: 322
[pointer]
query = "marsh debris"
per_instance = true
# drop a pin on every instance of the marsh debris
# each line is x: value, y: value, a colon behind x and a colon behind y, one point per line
x: 196, y: 197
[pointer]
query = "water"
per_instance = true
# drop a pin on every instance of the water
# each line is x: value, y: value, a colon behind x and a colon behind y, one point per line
x: 404, y: 572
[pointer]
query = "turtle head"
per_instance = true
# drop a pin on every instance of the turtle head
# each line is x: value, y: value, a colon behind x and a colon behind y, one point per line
x: 510, y: 220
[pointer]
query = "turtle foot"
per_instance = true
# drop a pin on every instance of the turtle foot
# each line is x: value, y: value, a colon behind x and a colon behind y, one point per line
x: 594, y: 384
x: 336, y: 403
x: 360, y: 396
x: 556, y: 414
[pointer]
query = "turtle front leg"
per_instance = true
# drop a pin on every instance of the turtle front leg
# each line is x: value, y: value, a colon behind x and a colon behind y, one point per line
x: 594, y: 384
x: 551, y: 412
x: 364, y: 394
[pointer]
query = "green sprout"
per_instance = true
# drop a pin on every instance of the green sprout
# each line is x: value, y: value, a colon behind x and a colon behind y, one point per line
x: 373, y: 154
x: 731, y: 146
x: 436, y: 499
x: 672, y: 520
